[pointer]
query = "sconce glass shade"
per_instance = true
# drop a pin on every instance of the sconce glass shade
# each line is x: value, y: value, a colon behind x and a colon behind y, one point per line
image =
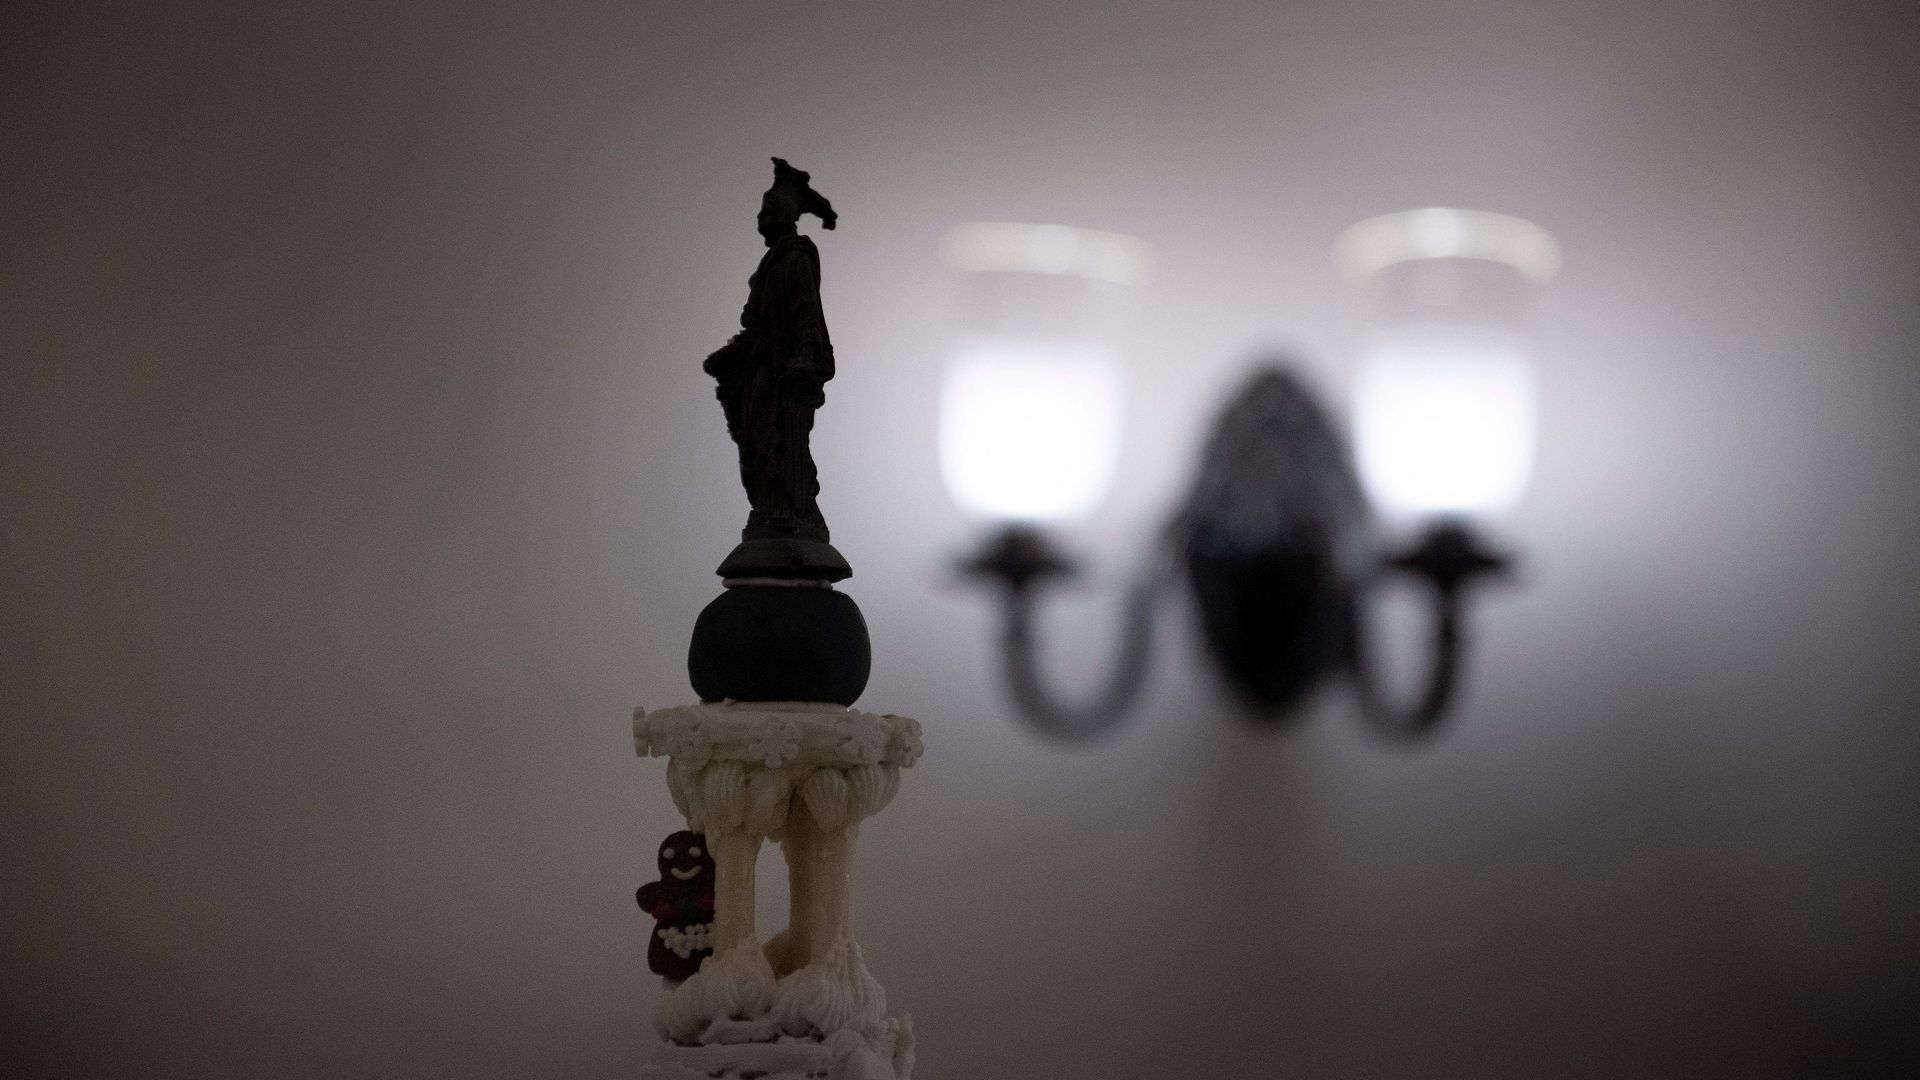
x: 1033, y: 401
x: 1444, y: 405
x: 1444, y: 421
x: 1029, y: 430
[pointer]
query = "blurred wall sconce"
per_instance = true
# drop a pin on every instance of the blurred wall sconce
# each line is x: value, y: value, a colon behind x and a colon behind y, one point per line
x: 1284, y: 532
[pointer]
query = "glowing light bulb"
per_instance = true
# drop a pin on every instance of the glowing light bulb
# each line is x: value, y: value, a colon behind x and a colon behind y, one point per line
x: 1029, y: 430
x: 1444, y: 419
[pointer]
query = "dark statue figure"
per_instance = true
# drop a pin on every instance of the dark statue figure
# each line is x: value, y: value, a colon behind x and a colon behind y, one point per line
x: 779, y: 631
x: 771, y: 377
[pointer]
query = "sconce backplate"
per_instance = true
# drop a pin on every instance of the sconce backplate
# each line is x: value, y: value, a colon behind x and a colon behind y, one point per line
x: 1274, y: 533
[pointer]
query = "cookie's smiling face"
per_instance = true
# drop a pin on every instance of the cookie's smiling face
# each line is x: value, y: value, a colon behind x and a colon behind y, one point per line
x: 684, y: 857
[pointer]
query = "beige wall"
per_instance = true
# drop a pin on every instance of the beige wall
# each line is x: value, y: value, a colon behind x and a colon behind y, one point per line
x: 359, y: 477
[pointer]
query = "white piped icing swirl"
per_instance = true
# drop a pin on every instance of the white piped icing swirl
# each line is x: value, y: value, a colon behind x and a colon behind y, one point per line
x: 832, y: 994
x: 737, y: 984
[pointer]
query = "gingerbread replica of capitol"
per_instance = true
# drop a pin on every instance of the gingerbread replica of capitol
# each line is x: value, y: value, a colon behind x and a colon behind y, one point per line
x: 774, y: 751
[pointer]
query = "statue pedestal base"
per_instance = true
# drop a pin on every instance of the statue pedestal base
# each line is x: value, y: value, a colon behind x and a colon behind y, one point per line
x: 787, y: 557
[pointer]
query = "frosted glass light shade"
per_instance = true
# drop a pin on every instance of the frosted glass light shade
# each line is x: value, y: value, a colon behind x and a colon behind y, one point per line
x: 1444, y: 419
x: 1440, y: 232
x: 1033, y: 401
x: 1029, y: 430
x: 1445, y: 399
x: 990, y: 247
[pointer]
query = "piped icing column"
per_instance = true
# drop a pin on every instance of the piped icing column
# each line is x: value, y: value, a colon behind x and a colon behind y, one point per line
x: 807, y: 775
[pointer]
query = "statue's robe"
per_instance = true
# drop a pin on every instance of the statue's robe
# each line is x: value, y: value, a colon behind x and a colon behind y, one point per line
x: 771, y: 376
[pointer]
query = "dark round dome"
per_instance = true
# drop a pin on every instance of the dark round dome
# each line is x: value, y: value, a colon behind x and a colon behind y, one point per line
x: 780, y: 643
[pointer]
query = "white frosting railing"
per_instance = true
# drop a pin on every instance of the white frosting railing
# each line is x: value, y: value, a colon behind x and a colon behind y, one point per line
x: 805, y: 775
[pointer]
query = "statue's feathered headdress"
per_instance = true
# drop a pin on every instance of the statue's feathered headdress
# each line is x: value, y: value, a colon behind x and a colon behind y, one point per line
x: 809, y: 200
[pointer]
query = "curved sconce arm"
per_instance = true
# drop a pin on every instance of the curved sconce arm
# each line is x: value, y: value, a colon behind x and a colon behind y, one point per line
x: 1270, y: 544
x: 1450, y: 558
x: 1019, y: 558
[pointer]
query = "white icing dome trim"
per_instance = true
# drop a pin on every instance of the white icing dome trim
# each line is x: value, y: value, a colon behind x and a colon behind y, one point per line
x: 776, y: 734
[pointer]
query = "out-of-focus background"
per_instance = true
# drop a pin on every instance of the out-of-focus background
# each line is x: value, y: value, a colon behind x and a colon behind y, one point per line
x: 359, y: 477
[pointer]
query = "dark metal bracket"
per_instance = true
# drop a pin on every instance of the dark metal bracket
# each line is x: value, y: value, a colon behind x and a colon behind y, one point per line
x: 1278, y: 551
